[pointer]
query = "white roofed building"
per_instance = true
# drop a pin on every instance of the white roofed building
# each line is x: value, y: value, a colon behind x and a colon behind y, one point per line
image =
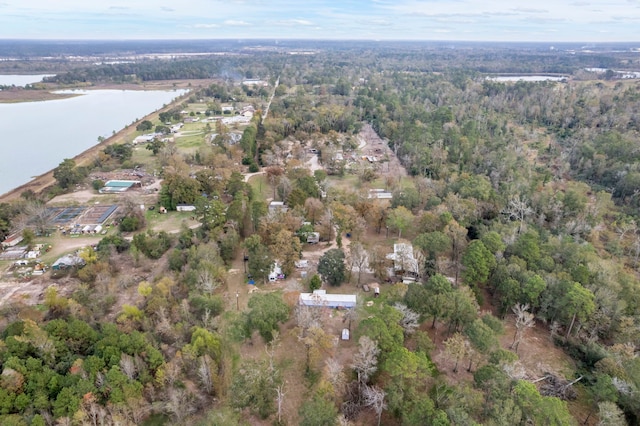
x: 320, y: 298
x: 404, y: 260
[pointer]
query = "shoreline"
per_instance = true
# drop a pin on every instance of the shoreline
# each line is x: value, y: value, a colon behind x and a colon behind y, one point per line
x: 46, y: 91
x: 45, y: 180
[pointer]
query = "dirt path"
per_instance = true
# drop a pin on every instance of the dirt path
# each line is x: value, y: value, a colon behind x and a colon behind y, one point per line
x: 8, y: 289
x: 248, y: 176
x: 313, y: 163
x: 266, y: 110
x: 372, y: 144
x: 63, y: 245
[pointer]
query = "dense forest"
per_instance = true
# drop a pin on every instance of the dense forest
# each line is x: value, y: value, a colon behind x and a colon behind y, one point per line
x: 520, y: 200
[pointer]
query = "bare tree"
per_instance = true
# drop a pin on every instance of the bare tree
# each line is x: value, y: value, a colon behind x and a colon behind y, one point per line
x: 94, y: 411
x: 172, y: 371
x: 35, y: 215
x: 456, y: 347
x: 343, y: 421
x: 316, y: 341
x: 350, y: 315
x: 208, y: 276
x: 358, y: 258
x: 378, y: 261
x: 374, y: 398
x: 626, y: 226
x: 524, y: 320
x: 410, y: 320
x: 335, y: 374
x: 204, y: 372
x: 128, y: 367
x: 280, y: 394
x: 610, y: 414
x: 179, y: 404
x: 313, y: 209
x: 307, y: 317
x: 274, y: 175
x: 365, y: 361
x: 518, y: 209
x: 270, y: 349
x: 163, y: 325
x: 137, y: 410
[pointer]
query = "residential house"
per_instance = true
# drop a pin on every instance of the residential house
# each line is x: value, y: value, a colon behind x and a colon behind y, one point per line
x: 277, y: 207
x: 320, y: 298
x: 404, y: 261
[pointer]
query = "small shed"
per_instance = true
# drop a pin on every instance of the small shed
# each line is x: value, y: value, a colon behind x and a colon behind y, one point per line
x: 313, y: 237
x: 345, y: 334
x: 320, y: 298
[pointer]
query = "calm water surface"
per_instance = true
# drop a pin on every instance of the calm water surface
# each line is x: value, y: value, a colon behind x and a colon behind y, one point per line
x: 21, y: 80
x: 528, y: 78
x: 37, y: 136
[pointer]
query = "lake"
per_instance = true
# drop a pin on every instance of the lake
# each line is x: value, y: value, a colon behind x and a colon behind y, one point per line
x: 528, y: 78
x: 21, y: 80
x: 37, y: 136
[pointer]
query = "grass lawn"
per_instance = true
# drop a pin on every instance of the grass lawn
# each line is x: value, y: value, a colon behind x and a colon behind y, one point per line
x: 190, y: 141
x: 344, y: 182
x: 167, y: 222
x: 201, y: 107
x: 261, y: 187
x: 405, y: 182
x: 142, y: 155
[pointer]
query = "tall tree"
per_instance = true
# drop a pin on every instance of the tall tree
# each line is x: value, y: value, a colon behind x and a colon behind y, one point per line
x: 578, y: 303
x: 266, y: 311
x: 365, y: 361
x: 358, y: 258
x: 478, y: 263
x: 260, y: 258
x: 331, y: 267
x: 67, y: 174
x: 524, y: 320
x: 456, y: 347
x: 400, y: 218
x: 374, y: 398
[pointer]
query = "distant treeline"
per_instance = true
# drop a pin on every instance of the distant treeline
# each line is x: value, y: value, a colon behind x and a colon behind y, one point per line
x: 156, y: 70
x: 404, y: 57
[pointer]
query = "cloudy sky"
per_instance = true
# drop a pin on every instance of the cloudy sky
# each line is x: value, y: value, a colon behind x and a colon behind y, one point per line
x: 483, y: 20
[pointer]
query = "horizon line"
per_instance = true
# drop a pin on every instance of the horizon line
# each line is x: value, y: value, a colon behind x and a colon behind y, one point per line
x: 276, y: 39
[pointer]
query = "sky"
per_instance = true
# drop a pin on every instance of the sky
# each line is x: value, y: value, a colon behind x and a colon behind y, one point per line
x: 473, y: 20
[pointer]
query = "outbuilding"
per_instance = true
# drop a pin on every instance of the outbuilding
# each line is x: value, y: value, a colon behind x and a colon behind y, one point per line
x: 186, y: 208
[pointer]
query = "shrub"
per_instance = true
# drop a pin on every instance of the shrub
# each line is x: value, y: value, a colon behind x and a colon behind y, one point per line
x: 129, y: 224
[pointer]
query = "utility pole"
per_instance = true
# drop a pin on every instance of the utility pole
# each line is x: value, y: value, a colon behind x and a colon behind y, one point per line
x: 237, y: 300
